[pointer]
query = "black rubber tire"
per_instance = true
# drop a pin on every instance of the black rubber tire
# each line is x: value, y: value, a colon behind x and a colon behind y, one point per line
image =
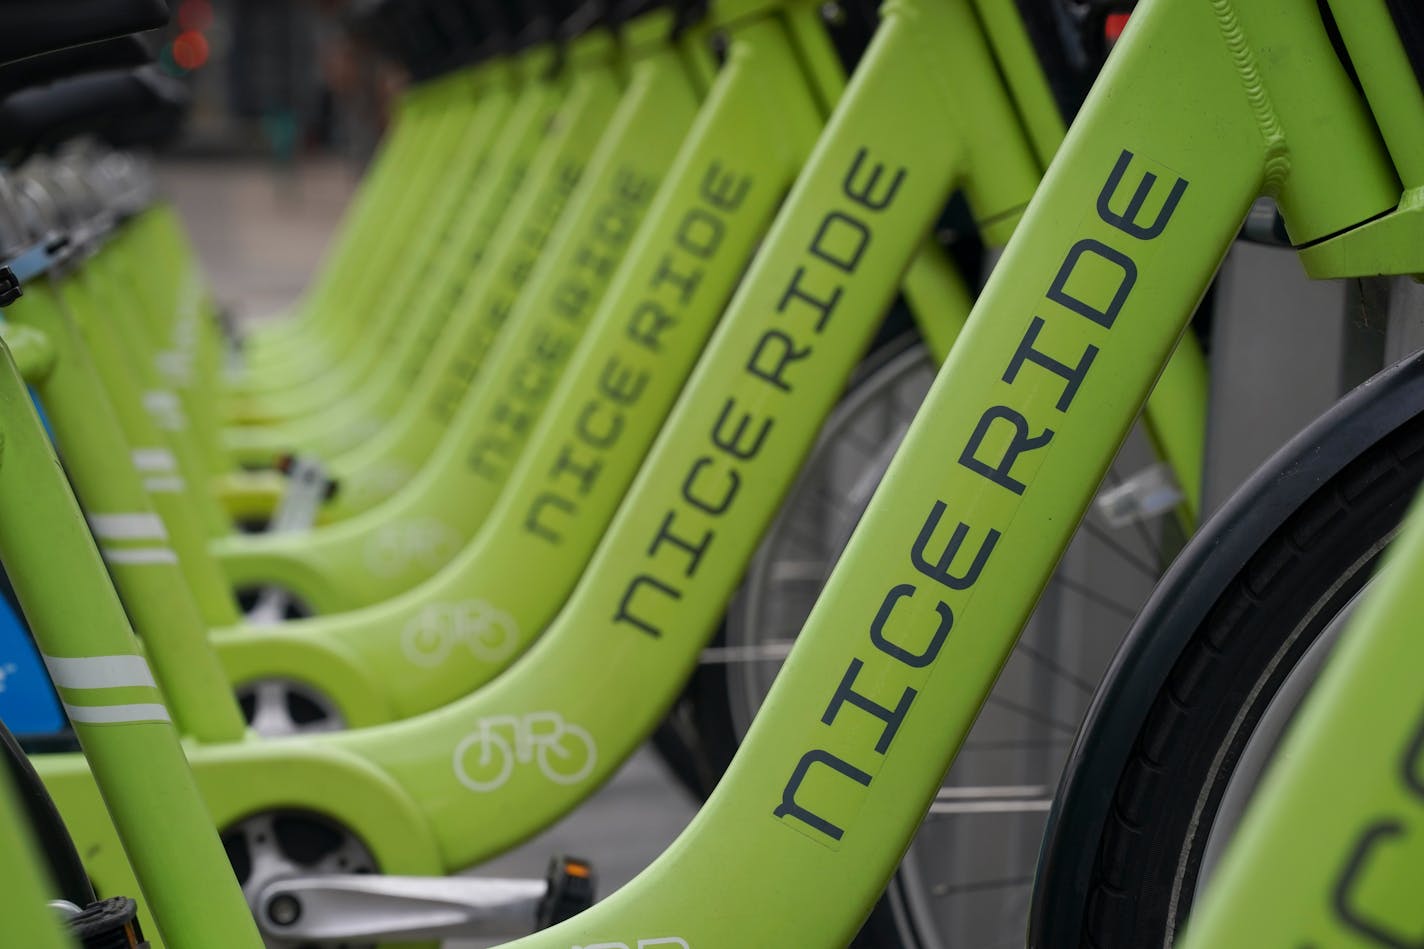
x: 56, y: 847
x: 1234, y: 663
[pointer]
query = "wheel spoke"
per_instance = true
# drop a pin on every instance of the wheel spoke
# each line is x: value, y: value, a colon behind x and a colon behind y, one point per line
x: 1094, y: 596
x: 979, y: 886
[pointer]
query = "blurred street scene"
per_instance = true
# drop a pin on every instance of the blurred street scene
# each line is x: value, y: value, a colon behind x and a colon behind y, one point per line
x: 276, y: 78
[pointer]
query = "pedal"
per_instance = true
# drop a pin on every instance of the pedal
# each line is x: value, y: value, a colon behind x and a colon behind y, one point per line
x: 308, y: 487
x: 107, y: 924
x: 371, y: 908
x: 571, y: 890
x: 1145, y: 496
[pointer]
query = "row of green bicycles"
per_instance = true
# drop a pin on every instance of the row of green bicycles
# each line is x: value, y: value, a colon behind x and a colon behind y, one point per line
x: 706, y: 371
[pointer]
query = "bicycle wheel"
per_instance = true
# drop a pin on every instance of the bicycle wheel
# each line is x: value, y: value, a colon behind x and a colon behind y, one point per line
x: 967, y: 877
x: 1244, y: 670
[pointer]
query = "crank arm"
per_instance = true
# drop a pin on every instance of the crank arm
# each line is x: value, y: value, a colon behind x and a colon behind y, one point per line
x: 361, y: 907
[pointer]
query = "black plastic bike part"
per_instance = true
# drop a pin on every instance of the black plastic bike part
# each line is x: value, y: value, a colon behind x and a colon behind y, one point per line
x: 122, y: 52
x: 48, y: 115
x: 686, y: 13
x: 66, y: 870
x: 1191, y: 587
x: 10, y: 289
x: 1408, y: 18
x: 464, y: 31
x: 850, y: 25
x: 489, y: 26
x: 33, y: 28
x: 508, y: 18
x: 588, y: 15
x: 571, y: 890
x: 426, y: 52
x: 108, y: 924
x: 1070, y: 38
x: 539, y: 25
x: 427, y: 23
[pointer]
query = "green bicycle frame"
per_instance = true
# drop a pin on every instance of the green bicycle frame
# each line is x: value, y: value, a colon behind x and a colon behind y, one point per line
x: 447, y: 110
x: 109, y: 694
x: 136, y: 543
x: 713, y: 478
x: 734, y: 168
x: 368, y: 390
x: 375, y: 470
x: 433, y: 812
x: 164, y: 375
x: 153, y: 425
x: 314, y: 321
x: 1201, y: 107
x: 401, y: 542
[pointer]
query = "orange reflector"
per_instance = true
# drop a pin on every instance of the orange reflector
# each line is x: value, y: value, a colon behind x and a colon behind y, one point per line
x: 579, y: 870
x: 190, y: 50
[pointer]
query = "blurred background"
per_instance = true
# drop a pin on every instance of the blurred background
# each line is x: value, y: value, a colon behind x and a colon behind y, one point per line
x: 276, y: 79
x: 287, y: 110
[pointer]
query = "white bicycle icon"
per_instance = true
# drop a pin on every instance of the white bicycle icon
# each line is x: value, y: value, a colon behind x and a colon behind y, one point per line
x: 489, y: 633
x: 485, y: 758
x: 431, y: 543
x: 642, y: 944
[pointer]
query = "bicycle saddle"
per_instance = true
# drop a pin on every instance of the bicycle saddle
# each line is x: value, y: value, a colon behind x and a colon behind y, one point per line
x: 48, y: 115
x: 32, y: 28
x: 122, y: 52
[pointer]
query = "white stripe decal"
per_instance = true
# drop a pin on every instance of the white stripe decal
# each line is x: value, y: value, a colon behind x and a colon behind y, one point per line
x: 128, y: 526
x: 116, y: 714
x: 140, y: 555
x: 99, y: 672
x: 165, y: 485
x: 153, y: 459
x: 165, y: 410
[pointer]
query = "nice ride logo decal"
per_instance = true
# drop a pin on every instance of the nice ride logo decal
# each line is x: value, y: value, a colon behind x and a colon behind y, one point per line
x: 1094, y: 281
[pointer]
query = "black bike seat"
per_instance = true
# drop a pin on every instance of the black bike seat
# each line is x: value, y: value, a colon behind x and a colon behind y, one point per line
x: 28, y: 28
x: 47, y: 115
x: 122, y: 52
